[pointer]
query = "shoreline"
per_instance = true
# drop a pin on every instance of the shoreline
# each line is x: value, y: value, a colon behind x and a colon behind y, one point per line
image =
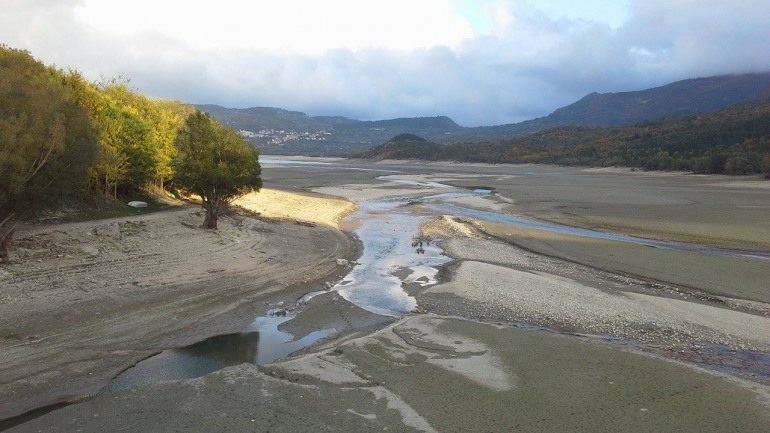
x: 184, y: 308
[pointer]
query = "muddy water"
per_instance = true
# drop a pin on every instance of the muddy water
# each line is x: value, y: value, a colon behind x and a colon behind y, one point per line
x: 439, y: 205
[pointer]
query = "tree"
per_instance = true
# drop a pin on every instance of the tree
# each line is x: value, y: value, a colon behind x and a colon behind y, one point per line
x: 46, y: 140
x: 214, y: 163
x: 136, y: 134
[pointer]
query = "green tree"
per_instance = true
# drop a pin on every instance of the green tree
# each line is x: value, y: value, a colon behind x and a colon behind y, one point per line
x: 215, y: 163
x: 46, y: 140
x: 136, y: 134
x: 111, y: 166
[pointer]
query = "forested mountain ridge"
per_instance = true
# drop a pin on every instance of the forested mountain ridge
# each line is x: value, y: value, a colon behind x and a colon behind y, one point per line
x: 673, y: 100
x: 289, y: 132
x: 257, y: 118
x: 733, y: 140
x: 292, y: 132
x: 677, y: 99
x: 403, y: 146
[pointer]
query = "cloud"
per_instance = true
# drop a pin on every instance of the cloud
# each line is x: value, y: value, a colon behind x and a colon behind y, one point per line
x: 509, y: 62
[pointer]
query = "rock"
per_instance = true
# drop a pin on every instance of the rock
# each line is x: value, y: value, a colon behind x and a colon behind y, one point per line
x: 89, y: 251
x: 111, y: 230
x: 342, y: 262
x: 328, y: 285
x: 4, y: 274
x: 137, y: 204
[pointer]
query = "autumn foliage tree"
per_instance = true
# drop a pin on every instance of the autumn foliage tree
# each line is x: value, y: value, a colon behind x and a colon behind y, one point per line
x: 136, y: 135
x: 214, y: 163
x: 47, y: 140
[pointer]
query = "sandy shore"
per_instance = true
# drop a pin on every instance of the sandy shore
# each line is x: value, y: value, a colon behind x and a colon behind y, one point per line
x: 83, y: 301
x: 276, y: 204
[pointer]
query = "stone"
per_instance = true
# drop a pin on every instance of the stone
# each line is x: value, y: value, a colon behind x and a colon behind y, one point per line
x: 89, y: 250
x: 110, y: 230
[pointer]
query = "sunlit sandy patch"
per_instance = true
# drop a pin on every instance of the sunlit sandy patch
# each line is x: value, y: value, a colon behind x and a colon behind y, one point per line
x: 274, y: 203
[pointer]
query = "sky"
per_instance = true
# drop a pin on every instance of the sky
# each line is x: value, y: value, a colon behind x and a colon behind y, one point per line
x: 483, y: 62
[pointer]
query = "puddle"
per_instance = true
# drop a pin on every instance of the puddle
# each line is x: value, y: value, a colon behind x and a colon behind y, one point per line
x: 261, y: 343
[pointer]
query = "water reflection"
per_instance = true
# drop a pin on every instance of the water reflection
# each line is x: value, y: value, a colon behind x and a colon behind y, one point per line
x: 262, y: 343
x: 529, y: 223
x: 389, y: 260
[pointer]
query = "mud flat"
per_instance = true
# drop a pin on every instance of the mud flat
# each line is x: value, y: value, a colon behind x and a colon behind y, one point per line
x: 735, y: 277
x: 436, y: 374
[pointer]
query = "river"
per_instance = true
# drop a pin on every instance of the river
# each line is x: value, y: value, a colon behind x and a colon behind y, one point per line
x: 387, y: 229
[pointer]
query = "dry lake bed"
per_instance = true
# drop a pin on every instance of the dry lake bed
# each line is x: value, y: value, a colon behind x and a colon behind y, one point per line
x: 398, y: 296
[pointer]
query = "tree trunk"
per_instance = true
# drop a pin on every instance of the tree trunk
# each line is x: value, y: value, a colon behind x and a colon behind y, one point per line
x: 212, y: 210
x: 5, y: 245
x: 212, y: 221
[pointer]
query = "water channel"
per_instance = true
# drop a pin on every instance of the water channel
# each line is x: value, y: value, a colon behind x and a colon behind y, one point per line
x: 387, y: 230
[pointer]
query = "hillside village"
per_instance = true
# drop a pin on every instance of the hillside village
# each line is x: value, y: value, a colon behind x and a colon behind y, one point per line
x: 281, y: 137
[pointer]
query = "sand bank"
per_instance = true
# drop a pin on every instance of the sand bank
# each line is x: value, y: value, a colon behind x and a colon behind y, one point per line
x: 548, y: 300
x: 83, y: 301
x: 734, y: 277
x: 273, y: 203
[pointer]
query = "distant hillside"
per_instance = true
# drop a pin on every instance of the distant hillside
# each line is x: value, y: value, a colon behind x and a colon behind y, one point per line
x: 677, y: 99
x: 278, y: 131
x: 402, y: 146
x: 258, y: 118
x: 733, y: 140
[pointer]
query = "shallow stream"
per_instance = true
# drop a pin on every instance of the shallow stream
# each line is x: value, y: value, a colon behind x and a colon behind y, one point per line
x: 387, y: 230
x: 376, y: 282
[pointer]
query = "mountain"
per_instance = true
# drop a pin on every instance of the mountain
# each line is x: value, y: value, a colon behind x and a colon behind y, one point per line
x: 278, y: 131
x: 402, y: 146
x: 674, y: 100
x: 259, y: 118
x: 732, y: 140
x: 677, y: 99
